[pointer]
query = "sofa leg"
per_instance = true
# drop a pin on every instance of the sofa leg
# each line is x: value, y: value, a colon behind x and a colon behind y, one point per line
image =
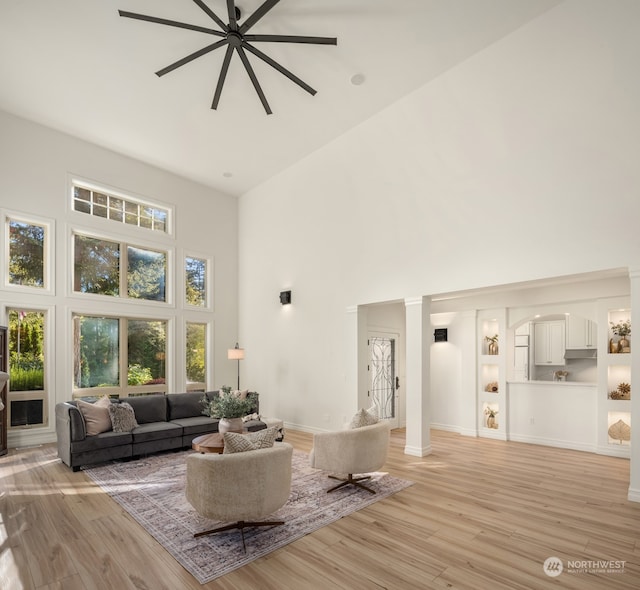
x: 354, y: 481
x: 76, y: 468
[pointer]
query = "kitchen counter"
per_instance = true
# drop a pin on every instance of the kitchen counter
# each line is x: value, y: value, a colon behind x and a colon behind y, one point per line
x: 555, y: 413
x: 560, y: 383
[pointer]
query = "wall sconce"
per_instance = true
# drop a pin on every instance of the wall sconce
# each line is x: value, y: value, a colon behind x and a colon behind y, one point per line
x: 285, y: 297
x: 440, y: 335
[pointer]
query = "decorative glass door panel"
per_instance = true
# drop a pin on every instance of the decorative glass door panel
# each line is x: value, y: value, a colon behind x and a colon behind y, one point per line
x: 382, y: 367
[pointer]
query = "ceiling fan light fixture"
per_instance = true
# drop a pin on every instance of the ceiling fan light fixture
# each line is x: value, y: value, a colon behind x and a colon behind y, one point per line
x: 234, y: 37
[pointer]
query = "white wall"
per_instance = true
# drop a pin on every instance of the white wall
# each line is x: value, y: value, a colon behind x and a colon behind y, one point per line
x: 34, y: 166
x: 516, y: 165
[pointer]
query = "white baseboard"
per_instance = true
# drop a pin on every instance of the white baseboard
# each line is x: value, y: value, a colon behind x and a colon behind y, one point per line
x: 553, y: 442
x: 417, y: 451
x: 633, y: 495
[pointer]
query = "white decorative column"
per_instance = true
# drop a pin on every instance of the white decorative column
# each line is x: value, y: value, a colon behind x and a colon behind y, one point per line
x: 352, y: 356
x: 469, y: 383
x: 418, y: 393
x: 634, y: 471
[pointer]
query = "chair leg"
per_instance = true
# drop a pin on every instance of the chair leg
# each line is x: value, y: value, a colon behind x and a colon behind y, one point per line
x: 241, y: 524
x: 354, y: 481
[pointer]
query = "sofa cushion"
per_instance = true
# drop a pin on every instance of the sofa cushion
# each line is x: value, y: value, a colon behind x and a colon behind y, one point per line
x: 234, y: 442
x: 148, y: 408
x: 101, y: 441
x: 363, y: 418
x: 197, y: 424
x: 149, y: 431
x: 122, y: 416
x: 96, y: 415
x: 185, y: 405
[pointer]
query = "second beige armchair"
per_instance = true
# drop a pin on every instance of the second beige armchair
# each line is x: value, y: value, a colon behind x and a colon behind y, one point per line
x: 348, y: 452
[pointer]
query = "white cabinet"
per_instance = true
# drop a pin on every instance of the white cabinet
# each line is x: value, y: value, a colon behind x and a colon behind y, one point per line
x: 549, y: 342
x: 581, y: 333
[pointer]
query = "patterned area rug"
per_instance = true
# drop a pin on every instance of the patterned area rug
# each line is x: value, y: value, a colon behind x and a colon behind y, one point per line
x: 151, y: 490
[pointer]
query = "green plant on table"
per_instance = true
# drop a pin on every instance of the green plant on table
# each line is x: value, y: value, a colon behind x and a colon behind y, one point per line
x: 227, y: 405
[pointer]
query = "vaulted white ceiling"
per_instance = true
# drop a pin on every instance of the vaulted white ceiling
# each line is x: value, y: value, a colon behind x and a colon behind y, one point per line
x: 77, y: 66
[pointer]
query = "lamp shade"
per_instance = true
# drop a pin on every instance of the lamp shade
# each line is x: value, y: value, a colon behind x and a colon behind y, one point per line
x: 235, y: 354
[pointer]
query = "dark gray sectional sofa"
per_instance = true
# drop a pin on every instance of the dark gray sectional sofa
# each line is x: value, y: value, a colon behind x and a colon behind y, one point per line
x: 165, y: 422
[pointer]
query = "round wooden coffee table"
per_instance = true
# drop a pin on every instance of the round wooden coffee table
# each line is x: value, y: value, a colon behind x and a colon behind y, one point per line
x: 208, y: 443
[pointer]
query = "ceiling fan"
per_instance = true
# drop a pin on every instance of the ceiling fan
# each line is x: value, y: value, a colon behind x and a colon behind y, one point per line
x: 234, y: 36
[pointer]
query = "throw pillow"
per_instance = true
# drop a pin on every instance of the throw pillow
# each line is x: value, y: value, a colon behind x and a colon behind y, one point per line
x: 242, y: 394
x: 96, y: 415
x: 123, y: 417
x: 234, y: 442
x: 363, y: 418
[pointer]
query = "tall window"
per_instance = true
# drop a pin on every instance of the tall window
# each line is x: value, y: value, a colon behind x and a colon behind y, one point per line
x: 27, y: 253
x: 117, y: 269
x: 196, y: 281
x: 196, y: 355
x: 120, y: 209
x: 119, y: 356
x: 27, y: 396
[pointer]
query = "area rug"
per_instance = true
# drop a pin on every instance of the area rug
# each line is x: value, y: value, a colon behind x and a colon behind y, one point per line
x: 151, y: 490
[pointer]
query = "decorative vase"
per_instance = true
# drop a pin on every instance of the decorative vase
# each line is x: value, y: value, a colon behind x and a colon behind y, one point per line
x: 491, y: 422
x: 230, y: 425
x: 613, y: 346
x: 493, y: 348
x: 623, y: 345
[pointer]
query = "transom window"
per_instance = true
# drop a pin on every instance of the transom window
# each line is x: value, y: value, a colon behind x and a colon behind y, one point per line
x: 127, y: 210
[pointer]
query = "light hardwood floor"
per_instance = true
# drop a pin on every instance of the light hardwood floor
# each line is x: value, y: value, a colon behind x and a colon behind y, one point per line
x: 482, y: 514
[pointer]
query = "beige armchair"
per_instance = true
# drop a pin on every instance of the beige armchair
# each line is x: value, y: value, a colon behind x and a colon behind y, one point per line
x: 240, y: 487
x: 358, y: 450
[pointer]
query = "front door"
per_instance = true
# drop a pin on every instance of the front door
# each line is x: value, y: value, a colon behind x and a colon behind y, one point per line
x: 383, y: 380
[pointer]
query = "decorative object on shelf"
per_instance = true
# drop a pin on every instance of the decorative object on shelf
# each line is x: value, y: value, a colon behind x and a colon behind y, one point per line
x: 493, y: 386
x: 560, y: 375
x: 613, y: 346
x: 491, y: 417
x: 230, y: 407
x: 622, y: 329
x: 623, y: 392
x: 493, y: 344
x: 620, y: 431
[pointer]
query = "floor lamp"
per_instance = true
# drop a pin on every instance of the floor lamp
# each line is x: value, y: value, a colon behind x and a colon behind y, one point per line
x: 236, y: 354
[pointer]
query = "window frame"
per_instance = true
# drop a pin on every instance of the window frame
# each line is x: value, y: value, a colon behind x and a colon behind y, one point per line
x: 209, y: 283
x: 124, y: 243
x: 123, y: 389
x: 77, y: 181
x: 48, y: 254
x: 45, y: 394
x: 208, y: 357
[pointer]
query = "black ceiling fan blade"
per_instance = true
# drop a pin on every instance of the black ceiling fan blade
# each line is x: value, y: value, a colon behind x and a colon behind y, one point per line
x: 231, y: 10
x: 222, y: 77
x: 257, y: 15
x: 191, y: 57
x: 170, y: 23
x: 254, y: 80
x: 275, y: 65
x: 212, y: 15
x: 292, y: 39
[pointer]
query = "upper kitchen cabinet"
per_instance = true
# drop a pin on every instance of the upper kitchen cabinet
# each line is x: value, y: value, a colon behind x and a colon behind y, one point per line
x: 549, y: 342
x: 580, y: 333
